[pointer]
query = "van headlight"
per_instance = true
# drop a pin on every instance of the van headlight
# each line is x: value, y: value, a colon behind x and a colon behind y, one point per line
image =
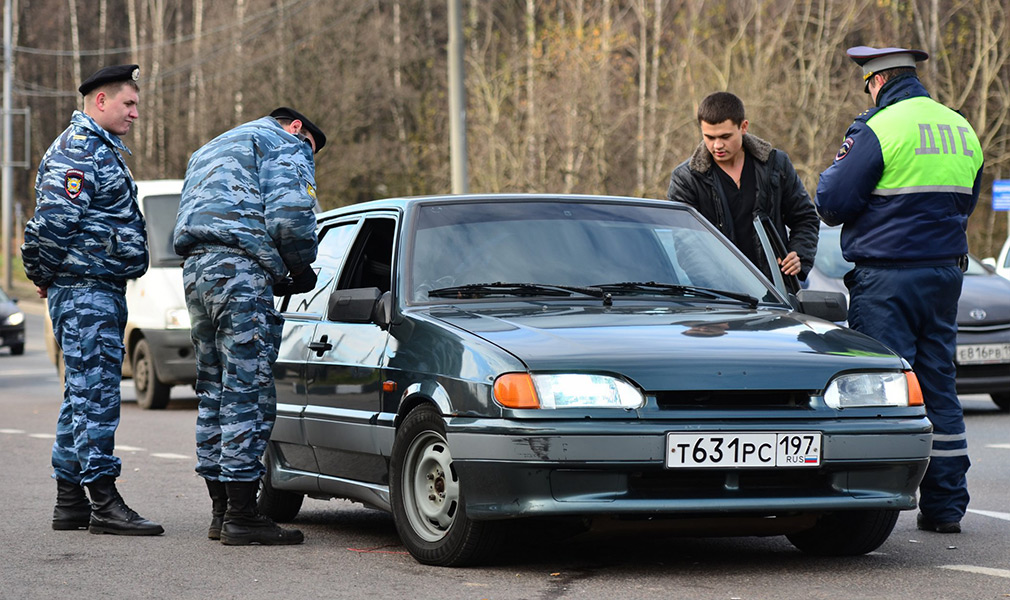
x: 15, y: 319
x: 566, y: 390
x: 177, y: 318
x: 874, y: 389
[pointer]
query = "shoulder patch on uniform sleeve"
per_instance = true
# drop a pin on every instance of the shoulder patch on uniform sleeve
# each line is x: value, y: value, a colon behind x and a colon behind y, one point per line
x: 311, y: 190
x: 73, y: 182
x: 844, y: 150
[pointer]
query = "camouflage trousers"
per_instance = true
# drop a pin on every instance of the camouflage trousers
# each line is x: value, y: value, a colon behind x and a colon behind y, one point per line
x: 89, y: 318
x: 236, y: 332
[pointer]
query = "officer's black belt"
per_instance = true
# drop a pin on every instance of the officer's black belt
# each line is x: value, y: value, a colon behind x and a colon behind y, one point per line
x: 889, y: 263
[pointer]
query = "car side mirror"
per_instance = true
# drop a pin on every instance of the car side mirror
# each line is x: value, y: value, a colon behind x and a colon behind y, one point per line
x: 353, y: 305
x: 830, y: 306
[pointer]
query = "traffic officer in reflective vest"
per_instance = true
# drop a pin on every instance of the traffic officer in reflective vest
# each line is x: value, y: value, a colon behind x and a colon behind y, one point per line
x: 902, y: 185
x: 86, y: 239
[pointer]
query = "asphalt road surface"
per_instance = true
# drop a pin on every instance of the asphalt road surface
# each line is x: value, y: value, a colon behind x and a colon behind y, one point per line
x: 353, y: 552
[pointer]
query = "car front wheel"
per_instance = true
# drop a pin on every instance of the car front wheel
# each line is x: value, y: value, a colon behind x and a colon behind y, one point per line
x: 151, y: 393
x: 427, y: 499
x: 846, y: 533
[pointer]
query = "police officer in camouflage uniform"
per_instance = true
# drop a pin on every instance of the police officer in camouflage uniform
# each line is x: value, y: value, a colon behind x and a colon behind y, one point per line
x: 247, y: 228
x: 86, y: 239
x: 902, y: 185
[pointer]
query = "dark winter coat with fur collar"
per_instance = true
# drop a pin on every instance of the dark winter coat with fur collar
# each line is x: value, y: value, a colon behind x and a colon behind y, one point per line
x: 780, y: 195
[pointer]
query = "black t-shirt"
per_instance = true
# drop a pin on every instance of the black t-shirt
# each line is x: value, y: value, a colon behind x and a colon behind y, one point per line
x: 741, y: 206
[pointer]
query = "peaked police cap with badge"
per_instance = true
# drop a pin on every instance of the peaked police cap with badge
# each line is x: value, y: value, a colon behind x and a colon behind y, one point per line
x: 875, y: 60
x: 110, y: 74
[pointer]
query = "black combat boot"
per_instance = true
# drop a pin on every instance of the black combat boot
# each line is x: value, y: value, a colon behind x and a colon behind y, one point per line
x: 244, y: 525
x: 73, y: 511
x: 219, y: 498
x: 110, y: 514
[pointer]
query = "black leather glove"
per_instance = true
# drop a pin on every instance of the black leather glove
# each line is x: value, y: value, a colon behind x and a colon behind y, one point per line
x: 297, y: 284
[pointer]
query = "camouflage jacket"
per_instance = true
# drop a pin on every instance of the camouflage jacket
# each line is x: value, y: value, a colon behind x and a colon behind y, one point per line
x: 252, y: 189
x: 87, y: 223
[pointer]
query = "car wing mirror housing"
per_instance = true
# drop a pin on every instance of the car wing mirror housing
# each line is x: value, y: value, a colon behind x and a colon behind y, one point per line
x: 830, y: 306
x: 357, y: 305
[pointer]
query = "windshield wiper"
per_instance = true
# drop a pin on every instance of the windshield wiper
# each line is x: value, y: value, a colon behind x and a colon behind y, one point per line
x: 673, y: 289
x: 479, y: 290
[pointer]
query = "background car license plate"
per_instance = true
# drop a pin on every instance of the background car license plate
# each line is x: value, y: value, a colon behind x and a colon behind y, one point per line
x: 793, y: 449
x: 977, y: 354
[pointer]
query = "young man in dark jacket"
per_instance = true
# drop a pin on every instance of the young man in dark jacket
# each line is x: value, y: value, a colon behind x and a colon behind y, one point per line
x: 733, y: 177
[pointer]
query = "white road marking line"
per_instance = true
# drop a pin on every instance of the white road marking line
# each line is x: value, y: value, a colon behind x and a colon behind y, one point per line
x: 170, y: 455
x: 1000, y: 446
x: 989, y: 513
x: 28, y: 372
x: 979, y: 570
x: 130, y: 448
x: 43, y: 436
x: 12, y: 431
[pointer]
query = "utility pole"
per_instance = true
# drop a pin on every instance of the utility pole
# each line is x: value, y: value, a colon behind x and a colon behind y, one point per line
x: 8, y: 147
x: 457, y: 101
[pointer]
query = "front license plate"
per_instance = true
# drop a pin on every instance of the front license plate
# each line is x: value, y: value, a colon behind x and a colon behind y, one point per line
x: 794, y: 449
x: 982, y: 354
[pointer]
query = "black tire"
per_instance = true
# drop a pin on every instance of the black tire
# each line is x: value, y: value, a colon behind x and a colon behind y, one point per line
x: 280, y: 505
x: 427, y: 501
x: 1002, y: 400
x: 17, y: 349
x: 846, y: 533
x: 152, y: 394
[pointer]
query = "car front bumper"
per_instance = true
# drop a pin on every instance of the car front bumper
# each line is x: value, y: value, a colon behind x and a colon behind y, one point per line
x: 507, y: 473
x: 12, y: 335
x: 174, y: 358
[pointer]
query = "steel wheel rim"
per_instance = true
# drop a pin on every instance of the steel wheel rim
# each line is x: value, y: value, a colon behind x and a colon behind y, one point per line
x: 430, y: 488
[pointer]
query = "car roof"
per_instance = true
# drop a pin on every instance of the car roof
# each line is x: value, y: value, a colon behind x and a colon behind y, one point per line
x: 406, y: 202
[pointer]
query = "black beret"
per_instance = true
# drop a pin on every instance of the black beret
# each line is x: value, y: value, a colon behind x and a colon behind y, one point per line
x: 289, y: 113
x: 109, y: 75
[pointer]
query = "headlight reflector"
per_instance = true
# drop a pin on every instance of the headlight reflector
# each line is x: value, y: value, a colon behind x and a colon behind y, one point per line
x: 566, y: 390
x: 16, y: 318
x: 873, y: 389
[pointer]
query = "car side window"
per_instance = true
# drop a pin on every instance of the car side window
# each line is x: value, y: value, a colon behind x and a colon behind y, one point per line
x: 333, y: 244
x: 370, y: 262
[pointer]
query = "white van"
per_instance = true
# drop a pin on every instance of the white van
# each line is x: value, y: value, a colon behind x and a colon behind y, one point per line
x: 159, y: 351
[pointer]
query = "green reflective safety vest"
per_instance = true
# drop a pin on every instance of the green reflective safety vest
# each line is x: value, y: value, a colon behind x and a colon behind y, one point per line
x: 926, y: 147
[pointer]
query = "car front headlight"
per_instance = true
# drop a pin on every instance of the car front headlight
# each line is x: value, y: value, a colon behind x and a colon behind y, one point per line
x: 874, y: 389
x: 15, y: 319
x: 177, y: 318
x: 566, y: 390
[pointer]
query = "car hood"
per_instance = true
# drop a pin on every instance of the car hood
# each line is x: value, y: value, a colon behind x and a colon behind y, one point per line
x: 985, y: 300
x: 672, y: 348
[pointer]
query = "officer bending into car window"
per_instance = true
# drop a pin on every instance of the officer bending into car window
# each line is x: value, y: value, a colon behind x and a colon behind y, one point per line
x: 86, y: 239
x: 247, y: 229
x: 902, y: 185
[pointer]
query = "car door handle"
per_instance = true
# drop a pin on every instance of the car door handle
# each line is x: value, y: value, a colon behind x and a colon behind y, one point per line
x: 321, y: 346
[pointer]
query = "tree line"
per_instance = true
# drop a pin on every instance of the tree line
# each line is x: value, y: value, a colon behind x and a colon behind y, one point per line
x: 577, y: 96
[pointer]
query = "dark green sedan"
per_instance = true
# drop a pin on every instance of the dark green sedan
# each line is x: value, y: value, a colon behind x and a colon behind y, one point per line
x: 466, y: 361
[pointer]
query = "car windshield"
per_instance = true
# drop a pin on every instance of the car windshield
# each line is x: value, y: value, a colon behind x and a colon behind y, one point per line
x: 553, y: 248
x: 829, y: 258
x: 4, y: 297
